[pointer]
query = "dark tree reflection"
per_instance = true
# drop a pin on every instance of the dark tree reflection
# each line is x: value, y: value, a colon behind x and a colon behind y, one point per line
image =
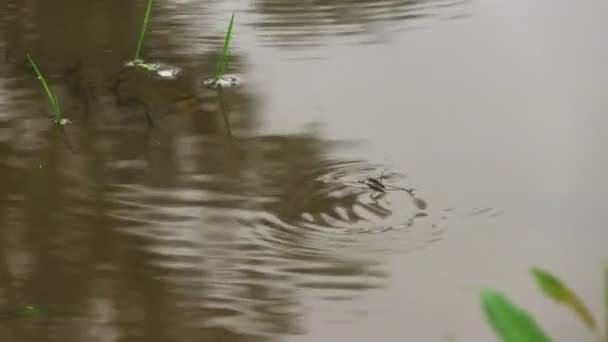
x: 148, y: 219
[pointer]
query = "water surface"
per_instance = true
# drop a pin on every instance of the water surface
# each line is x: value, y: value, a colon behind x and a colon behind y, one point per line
x: 171, y: 212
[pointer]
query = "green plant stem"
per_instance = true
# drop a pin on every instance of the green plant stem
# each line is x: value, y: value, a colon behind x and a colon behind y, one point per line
x: 144, y: 27
x: 47, y: 89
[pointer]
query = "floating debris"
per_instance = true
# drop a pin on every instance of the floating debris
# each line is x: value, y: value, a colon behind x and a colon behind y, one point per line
x: 225, y: 81
x: 160, y: 69
x: 64, y: 121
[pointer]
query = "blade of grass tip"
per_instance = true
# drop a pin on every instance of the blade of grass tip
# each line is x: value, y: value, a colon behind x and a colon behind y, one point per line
x: 47, y: 89
x: 221, y: 67
x: 555, y: 289
x: 144, y: 27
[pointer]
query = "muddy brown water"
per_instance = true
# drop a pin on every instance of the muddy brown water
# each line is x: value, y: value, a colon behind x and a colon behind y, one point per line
x: 170, y: 212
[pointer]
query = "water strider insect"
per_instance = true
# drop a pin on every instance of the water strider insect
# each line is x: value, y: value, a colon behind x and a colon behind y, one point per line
x: 378, y: 187
x: 375, y: 184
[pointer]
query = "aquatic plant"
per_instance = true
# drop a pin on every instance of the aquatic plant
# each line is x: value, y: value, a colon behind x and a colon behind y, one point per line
x: 513, y: 324
x: 509, y: 321
x: 162, y: 70
x: 555, y: 289
x: 49, y: 93
x: 142, y: 32
x: 221, y: 80
x: 223, y: 61
x: 606, y: 301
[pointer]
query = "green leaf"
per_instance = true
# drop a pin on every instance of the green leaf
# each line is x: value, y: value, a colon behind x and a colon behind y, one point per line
x: 510, y: 323
x: 47, y: 90
x: 559, y: 292
x: 144, y: 27
x: 223, y: 62
x: 606, y: 299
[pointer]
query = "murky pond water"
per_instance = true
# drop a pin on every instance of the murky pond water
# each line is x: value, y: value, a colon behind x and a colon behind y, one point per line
x: 167, y: 211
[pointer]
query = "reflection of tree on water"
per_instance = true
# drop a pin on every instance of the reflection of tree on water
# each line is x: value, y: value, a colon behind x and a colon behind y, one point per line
x: 92, y: 228
x: 294, y: 23
x: 169, y: 247
x: 166, y: 225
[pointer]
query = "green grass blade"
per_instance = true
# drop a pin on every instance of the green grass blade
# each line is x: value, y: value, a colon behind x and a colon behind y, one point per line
x: 510, y: 323
x: 606, y: 301
x: 144, y: 27
x: 559, y: 292
x: 47, y: 89
x: 223, y: 62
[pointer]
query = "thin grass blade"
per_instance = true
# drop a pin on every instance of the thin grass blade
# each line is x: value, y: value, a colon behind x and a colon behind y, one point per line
x: 606, y: 301
x: 48, y: 91
x: 223, y: 62
x: 144, y: 27
x: 510, y: 323
x: 555, y: 289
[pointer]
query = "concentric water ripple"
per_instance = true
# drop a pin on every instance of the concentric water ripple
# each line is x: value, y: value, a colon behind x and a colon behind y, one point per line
x: 332, y: 210
x: 228, y: 239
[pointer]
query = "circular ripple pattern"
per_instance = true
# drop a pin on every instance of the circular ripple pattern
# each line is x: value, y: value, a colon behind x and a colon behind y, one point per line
x: 332, y: 210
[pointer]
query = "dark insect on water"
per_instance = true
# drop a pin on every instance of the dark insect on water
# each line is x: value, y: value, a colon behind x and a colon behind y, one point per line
x: 377, y: 186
